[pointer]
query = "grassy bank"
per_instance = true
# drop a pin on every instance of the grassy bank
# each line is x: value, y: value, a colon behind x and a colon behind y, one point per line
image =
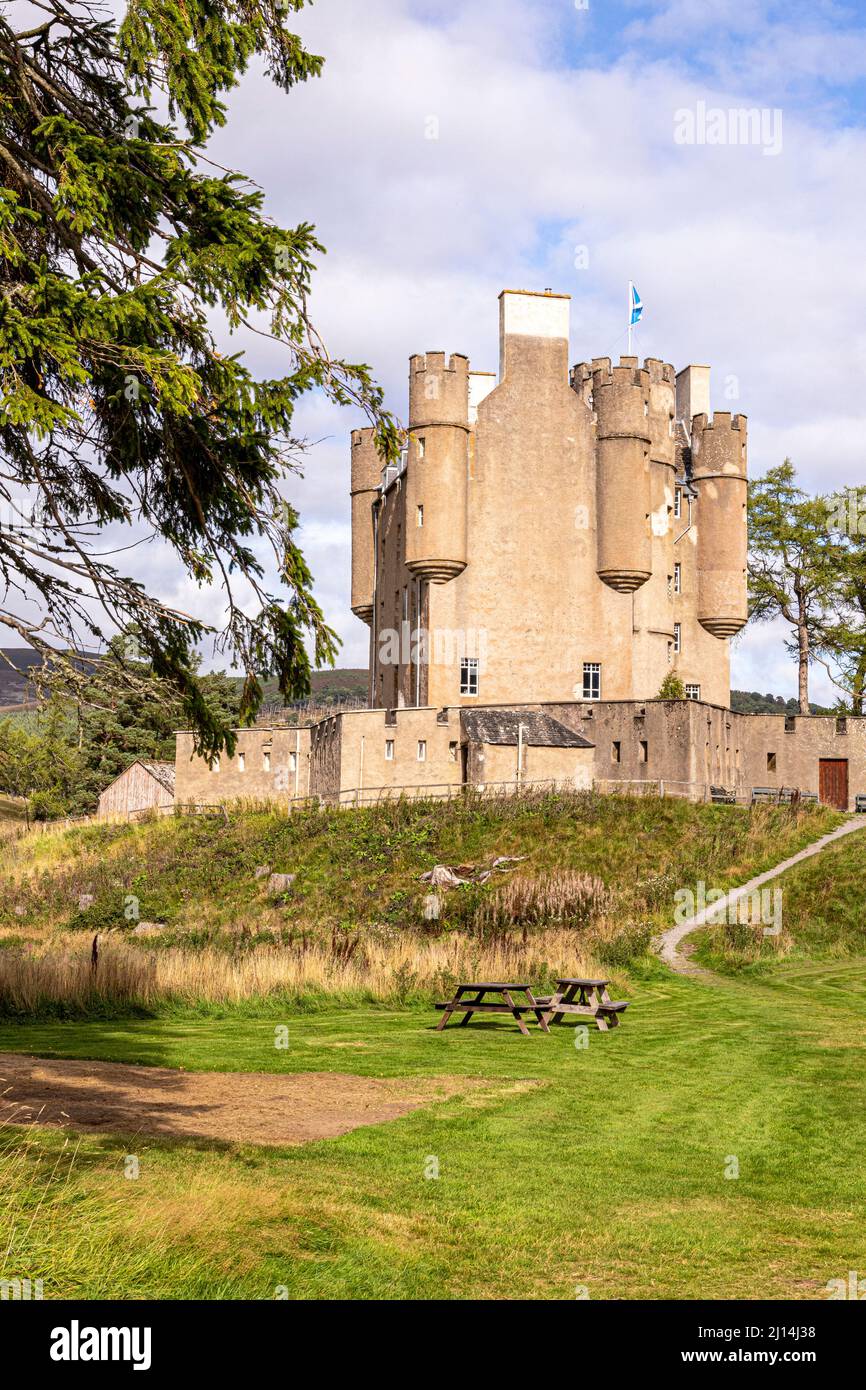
x: 823, y: 917
x: 587, y: 881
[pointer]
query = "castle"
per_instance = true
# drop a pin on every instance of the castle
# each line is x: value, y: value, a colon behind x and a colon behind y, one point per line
x: 552, y: 545
x: 553, y: 535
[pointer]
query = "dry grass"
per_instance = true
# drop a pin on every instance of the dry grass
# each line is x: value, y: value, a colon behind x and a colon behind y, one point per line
x: 567, y: 899
x: 57, y: 976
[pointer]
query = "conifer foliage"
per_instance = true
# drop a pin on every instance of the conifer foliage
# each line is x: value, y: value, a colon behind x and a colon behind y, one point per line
x: 120, y: 420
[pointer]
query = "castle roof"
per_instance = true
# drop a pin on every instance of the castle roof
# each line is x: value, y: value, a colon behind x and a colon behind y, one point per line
x: 540, y: 730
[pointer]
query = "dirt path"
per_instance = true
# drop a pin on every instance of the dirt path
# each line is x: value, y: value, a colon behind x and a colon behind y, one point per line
x: 242, y: 1107
x: 669, y: 943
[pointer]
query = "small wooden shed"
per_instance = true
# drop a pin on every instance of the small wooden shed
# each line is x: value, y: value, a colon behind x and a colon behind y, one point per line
x: 142, y: 786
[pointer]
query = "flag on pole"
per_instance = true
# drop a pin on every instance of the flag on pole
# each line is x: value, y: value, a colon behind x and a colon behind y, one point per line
x: 635, y: 309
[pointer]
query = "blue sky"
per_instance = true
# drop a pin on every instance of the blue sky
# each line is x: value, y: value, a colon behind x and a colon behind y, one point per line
x: 556, y: 130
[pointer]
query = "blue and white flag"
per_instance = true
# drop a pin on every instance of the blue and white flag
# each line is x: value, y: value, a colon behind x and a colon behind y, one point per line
x: 636, y: 304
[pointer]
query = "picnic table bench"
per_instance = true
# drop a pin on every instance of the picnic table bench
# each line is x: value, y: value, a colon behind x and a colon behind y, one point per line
x: 502, y: 1003
x: 583, y: 996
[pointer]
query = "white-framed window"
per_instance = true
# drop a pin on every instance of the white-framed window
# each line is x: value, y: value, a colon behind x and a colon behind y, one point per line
x: 242, y: 762
x: 215, y: 765
x: 419, y: 514
x: 678, y: 578
x: 678, y: 637
x: 422, y: 750
x: 693, y: 692
x: 389, y: 750
x: 678, y: 502
x: 592, y: 680
x: 469, y: 675
x: 266, y: 760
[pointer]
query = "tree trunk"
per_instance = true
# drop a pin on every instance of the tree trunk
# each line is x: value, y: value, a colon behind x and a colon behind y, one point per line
x: 803, y: 665
x: 858, y: 689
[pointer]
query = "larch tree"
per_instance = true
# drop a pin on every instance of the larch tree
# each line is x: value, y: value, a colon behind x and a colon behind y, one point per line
x: 843, y: 636
x: 793, y: 562
x: 121, y: 243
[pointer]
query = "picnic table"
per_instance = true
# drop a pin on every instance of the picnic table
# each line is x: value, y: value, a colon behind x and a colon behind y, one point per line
x: 502, y: 1003
x: 576, y: 995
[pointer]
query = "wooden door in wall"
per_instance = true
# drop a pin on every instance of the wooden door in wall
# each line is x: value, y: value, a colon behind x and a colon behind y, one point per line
x: 833, y: 782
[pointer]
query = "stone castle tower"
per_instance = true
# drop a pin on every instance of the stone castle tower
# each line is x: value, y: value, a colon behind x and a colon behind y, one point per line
x: 553, y: 535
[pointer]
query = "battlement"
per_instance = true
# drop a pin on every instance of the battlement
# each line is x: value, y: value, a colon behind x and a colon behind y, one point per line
x: 438, y: 393
x: 366, y: 463
x: 458, y: 362
x: 721, y: 420
x: 660, y: 371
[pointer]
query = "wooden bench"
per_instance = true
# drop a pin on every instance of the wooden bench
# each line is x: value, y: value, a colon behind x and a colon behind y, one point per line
x: 503, y: 1003
x: 722, y: 797
x: 860, y: 801
x: 583, y: 996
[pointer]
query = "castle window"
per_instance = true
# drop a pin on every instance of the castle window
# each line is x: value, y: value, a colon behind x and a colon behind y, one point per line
x: 422, y: 750
x: 841, y: 725
x: 616, y: 751
x: 670, y: 653
x: 242, y: 762
x: 452, y: 752
x: 693, y: 692
x: 389, y: 750
x: 422, y: 446
x: 670, y: 586
x: 643, y: 751
x: 469, y: 675
x: 293, y: 762
x: 790, y: 724
x: 420, y: 516
x: 678, y: 578
x: 678, y: 637
x: 678, y: 502
x: 592, y: 680
x: 771, y: 762
x: 266, y: 760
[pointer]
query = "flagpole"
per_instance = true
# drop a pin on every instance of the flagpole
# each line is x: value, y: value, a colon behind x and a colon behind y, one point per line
x: 629, y: 316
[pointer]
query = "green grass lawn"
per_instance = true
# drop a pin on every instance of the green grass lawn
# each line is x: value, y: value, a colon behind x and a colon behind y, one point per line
x: 607, y: 1172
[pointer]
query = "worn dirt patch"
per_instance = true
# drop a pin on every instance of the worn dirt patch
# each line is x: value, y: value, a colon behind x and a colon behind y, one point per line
x: 239, y: 1107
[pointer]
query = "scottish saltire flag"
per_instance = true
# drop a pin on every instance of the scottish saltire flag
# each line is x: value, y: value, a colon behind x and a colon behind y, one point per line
x: 636, y: 304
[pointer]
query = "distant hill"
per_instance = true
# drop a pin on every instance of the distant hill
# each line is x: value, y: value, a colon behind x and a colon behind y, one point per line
x: 752, y: 702
x: 14, y: 685
x: 350, y: 683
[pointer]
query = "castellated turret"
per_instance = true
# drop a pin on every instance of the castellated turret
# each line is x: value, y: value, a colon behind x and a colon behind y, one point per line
x: 437, y: 466
x: 366, y: 469
x: 620, y: 397
x: 719, y: 475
